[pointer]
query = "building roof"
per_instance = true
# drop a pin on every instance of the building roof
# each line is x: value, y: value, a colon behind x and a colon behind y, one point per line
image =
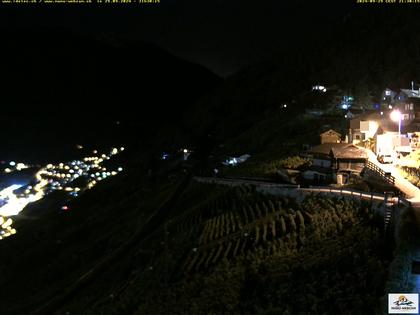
x: 331, y: 131
x: 339, y: 150
x: 411, y: 93
x: 349, y: 152
x: 325, y: 148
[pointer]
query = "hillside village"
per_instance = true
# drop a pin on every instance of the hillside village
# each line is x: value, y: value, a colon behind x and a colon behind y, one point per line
x: 385, y: 134
x: 373, y: 163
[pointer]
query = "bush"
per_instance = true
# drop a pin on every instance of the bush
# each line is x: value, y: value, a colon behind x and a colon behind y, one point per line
x: 294, y: 162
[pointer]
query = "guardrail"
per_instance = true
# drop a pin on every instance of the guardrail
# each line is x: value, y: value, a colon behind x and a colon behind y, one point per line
x: 377, y: 197
x: 241, y: 181
x: 404, y: 202
x: 317, y: 189
x: 347, y: 192
x: 387, y: 177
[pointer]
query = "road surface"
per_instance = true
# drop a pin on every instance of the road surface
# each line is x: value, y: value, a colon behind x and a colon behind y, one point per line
x: 411, y: 191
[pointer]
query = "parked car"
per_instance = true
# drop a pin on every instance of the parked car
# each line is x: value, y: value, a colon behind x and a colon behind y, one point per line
x: 386, y: 158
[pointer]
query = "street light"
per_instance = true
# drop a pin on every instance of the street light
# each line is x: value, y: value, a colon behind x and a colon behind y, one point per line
x: 396, y: 116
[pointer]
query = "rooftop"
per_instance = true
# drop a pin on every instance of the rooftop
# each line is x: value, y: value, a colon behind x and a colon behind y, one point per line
x: 411, y: 93
x: 340, y: 150
x: 325, y: 148
x: 349, y: 152
x: 331, y: 131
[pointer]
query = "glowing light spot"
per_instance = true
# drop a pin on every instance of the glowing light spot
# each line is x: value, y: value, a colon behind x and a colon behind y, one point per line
x: 7, y: 223
x: 21, y: 166
x: 395, y: 115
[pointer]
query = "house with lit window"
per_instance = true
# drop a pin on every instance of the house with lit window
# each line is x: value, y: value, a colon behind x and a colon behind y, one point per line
x: 407, y: 111
x: 408, y: 103
x: 330, y: 136
x: 364, y: 127
x: 331, y: 161
x: 346, y: 102
x: 319, y: 88
x: 388, y: 96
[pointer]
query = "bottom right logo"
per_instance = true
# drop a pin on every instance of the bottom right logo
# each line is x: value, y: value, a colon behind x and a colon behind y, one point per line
x: 403, y: 303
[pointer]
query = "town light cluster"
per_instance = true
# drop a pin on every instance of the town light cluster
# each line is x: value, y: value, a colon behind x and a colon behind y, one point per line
x: 71, y: 177
x: 6, y: 228
x: 13, y: 166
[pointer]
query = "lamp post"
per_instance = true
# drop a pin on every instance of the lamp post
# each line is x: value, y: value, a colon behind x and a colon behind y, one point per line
x: 396, y: 116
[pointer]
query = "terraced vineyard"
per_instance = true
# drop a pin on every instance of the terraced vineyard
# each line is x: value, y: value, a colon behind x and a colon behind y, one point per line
x: 233, y: 227
x: 236, y: 235
x: 235, y: 251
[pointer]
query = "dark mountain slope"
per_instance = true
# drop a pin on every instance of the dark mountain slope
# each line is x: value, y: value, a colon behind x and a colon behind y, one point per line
x: 363, y: 52
x: 71, y: 88
x: 47, y: 68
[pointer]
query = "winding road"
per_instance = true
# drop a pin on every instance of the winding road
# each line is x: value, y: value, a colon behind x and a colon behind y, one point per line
x: 413, y: 194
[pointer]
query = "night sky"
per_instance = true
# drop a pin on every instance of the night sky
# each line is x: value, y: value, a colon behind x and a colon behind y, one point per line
x: 221, y: 35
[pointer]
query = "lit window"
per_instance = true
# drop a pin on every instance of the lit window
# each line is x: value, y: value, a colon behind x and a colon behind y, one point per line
x: 387, y: 93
